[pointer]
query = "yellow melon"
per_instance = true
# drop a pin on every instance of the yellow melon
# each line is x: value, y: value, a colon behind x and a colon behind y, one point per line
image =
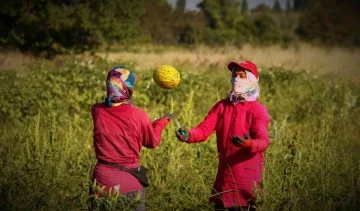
x: 166, y: 76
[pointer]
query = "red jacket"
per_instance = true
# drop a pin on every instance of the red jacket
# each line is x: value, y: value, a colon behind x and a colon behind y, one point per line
x: 119, y: 134
x: 238, y: 169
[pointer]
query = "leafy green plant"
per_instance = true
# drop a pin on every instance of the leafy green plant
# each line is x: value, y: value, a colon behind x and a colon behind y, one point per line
x: 47, y: 154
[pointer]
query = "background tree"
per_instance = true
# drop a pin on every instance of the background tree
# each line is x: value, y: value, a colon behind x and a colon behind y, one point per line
x: 288, y: 5
x: 180, y: 5
x: 261, y: 8
x: 244, y: 7
x: 221, y: 14
x: 117, y: 21
x: 223, y: 18
x: 332, y: 23
x: 267, y: 31
x: 171, y: 27
x: 190, y: 27
x: 211, y: 10
x: 230, y: 12
x: 158, y: 27
x: 300, y: 5
x: 73, y: 26
x: 277, y: 7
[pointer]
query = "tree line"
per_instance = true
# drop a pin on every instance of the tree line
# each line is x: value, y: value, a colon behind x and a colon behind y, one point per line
x: 50, y: 27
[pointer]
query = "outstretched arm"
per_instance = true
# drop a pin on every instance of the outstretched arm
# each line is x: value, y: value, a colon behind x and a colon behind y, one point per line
x: 153, y: 130
x: 206, y: 127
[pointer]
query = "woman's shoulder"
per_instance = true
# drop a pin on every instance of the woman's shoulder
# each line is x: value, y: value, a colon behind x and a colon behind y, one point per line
x: 259, y: 109
x: 257, y: 104
x: 125, y: 107
x: 139, y: 113
x: 139, y: 110
x: 132, y: 110
x: 223, y: 102
x: 98, y: 105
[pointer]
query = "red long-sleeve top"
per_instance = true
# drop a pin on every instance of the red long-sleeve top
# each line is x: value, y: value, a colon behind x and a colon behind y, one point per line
x: 119, y: 134
x: 238, y: 169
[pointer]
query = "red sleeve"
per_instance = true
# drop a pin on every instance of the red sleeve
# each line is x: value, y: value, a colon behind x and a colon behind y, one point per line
x: 206, y: 127
x: 259, y: 130
x: 95, y: 112
x: 151, y: 133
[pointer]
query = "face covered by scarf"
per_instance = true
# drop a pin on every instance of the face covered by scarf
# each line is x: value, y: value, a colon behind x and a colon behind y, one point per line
x: 119, y: 85
x: 244, y: 89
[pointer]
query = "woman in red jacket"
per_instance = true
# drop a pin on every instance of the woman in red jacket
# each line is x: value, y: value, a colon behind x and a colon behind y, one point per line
x: 241, y: 125
x: 120, y: 131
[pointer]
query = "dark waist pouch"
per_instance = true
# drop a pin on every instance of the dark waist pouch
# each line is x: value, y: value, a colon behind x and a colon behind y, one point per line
x: 138, y: 172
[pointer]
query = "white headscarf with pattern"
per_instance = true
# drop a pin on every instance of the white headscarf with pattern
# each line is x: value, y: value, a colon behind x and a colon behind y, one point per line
x: 244, y: 89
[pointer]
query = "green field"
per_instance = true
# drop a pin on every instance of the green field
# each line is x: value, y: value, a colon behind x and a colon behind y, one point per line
x: 47, y: 156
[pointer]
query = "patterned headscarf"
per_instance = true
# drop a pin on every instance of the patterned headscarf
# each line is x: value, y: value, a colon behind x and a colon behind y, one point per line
x: 244, y: 89
x: 119, y: 85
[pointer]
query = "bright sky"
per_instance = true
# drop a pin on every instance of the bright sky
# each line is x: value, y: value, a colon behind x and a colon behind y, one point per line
x: 191, y: 4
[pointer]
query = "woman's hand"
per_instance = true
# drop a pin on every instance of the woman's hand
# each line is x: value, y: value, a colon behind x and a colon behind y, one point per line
x: 165, y: 119
x: 183, y: 134
x: 242, y: 142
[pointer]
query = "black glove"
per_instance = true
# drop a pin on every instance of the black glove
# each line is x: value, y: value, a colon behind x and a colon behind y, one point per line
x: 242, y: 142
x: 183, y: 134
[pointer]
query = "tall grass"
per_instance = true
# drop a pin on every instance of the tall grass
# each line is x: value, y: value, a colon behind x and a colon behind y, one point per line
x: 47, y: 154
x: 320, y: 61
